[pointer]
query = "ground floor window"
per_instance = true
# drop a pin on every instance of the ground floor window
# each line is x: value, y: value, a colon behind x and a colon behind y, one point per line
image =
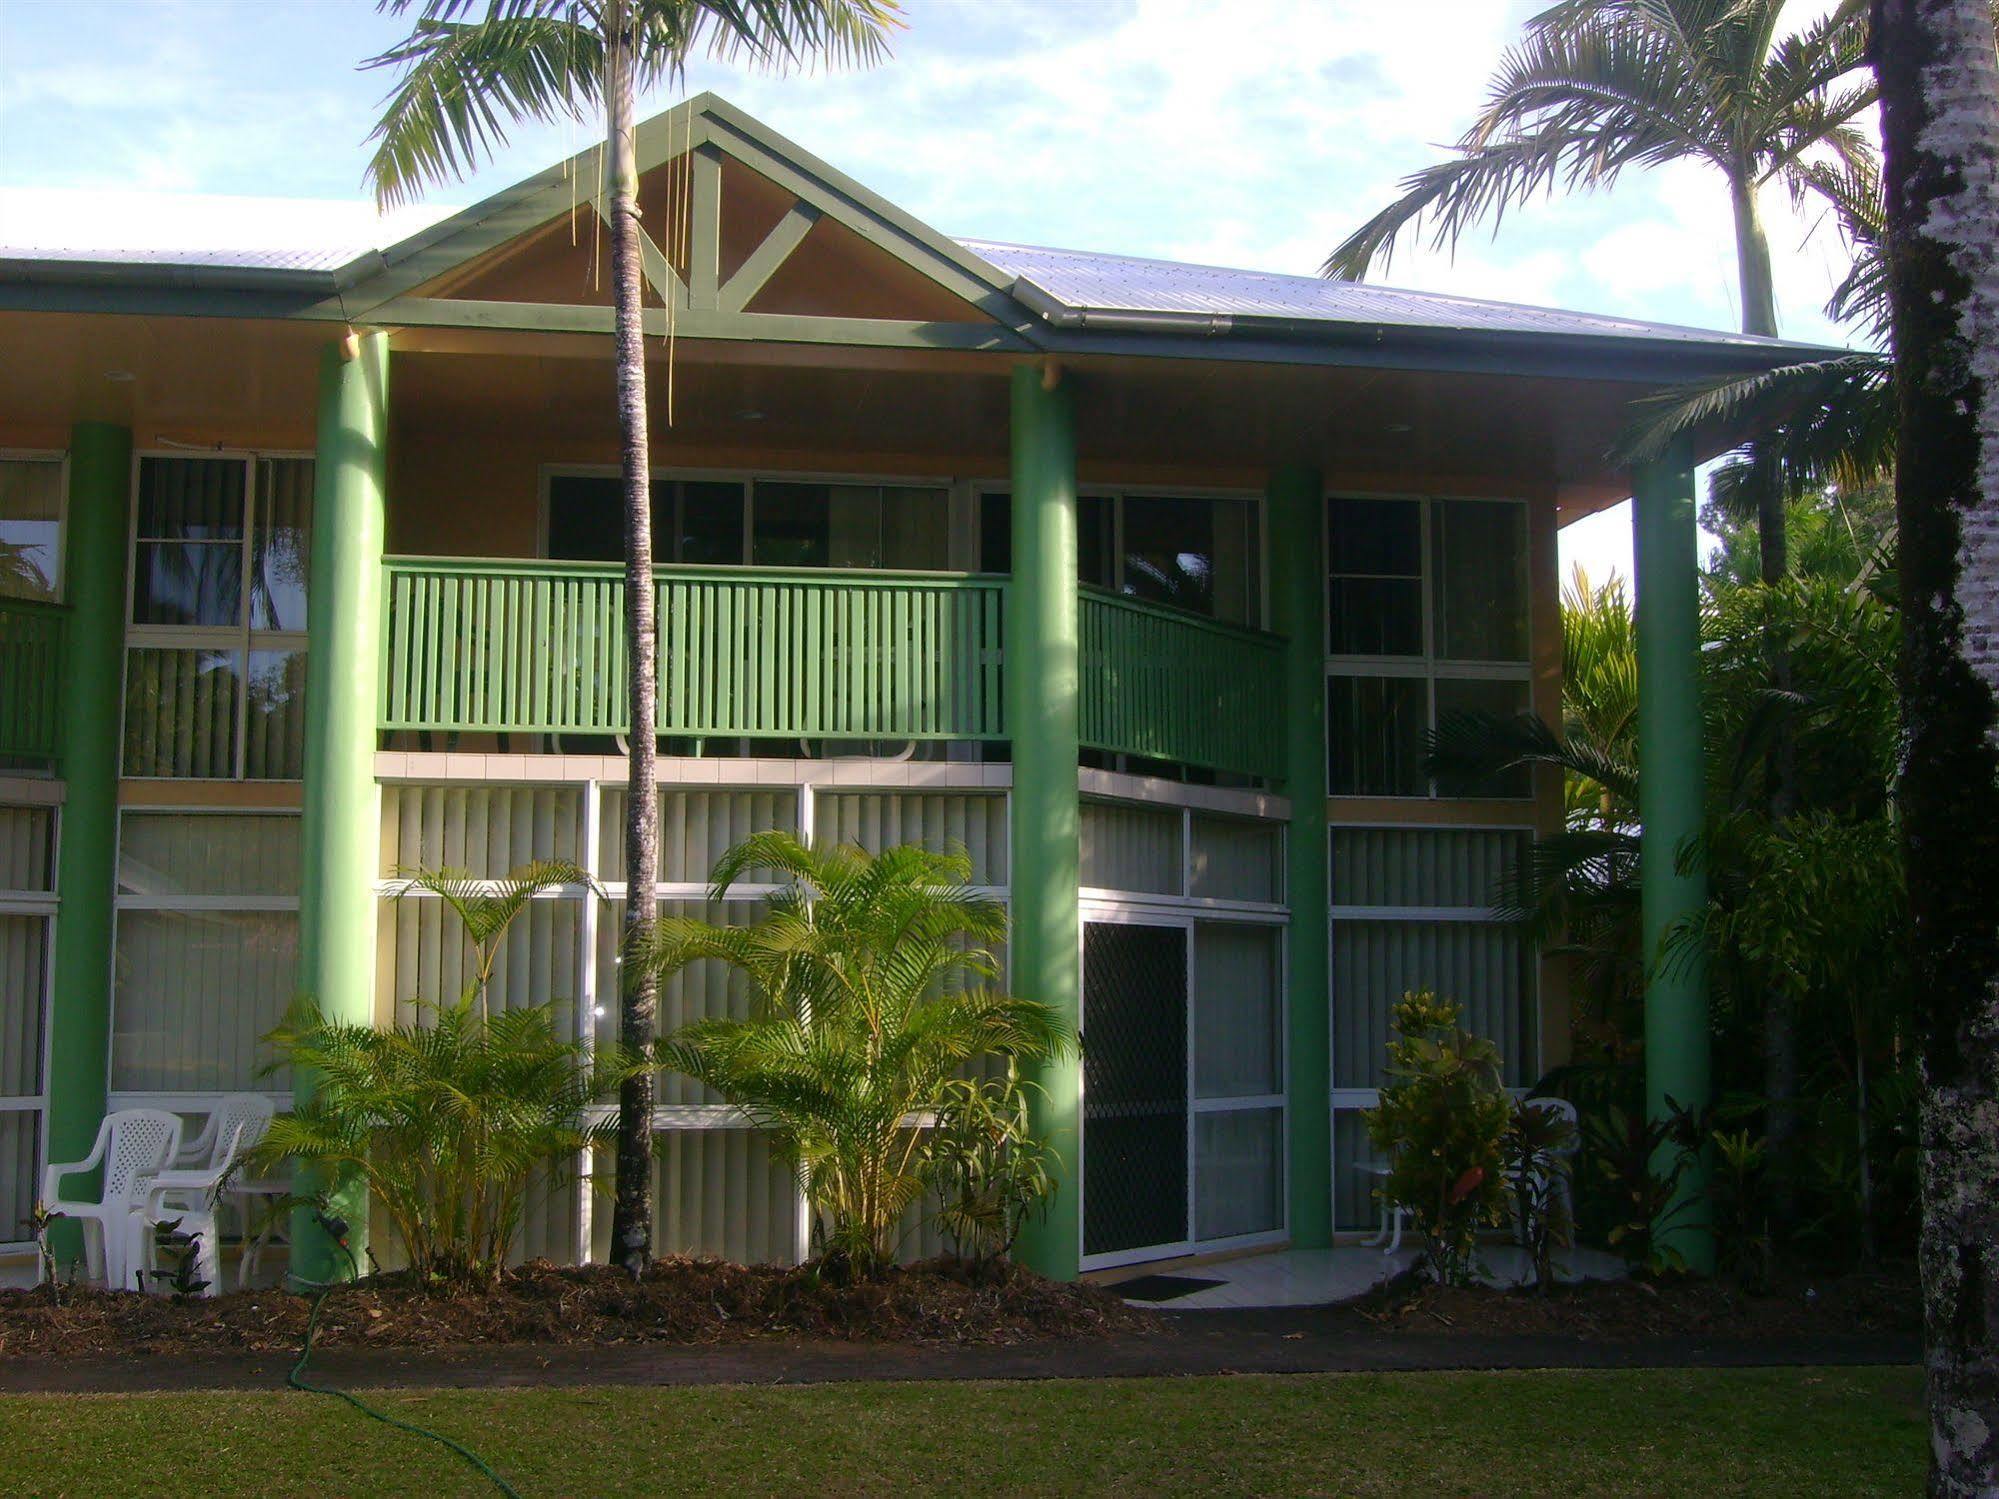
x: 27, y: 926
x: 205, y: 953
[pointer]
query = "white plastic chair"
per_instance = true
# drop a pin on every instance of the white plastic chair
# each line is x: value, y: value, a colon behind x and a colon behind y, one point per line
x: 133, y: 1146
x: 245, y: 1117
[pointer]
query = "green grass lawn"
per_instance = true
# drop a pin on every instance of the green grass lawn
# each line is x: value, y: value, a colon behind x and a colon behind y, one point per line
x: 1701, y: 1432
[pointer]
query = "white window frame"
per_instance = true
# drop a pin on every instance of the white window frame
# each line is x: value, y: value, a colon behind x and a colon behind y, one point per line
x: 239, y: 638
x: 1429, y: 668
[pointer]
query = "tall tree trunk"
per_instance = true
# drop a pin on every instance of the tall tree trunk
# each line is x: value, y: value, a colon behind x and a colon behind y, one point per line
x: 631, y: 1218
x: 1940, y: 128
x: 1780, y: 1011
x: 1752, y: 255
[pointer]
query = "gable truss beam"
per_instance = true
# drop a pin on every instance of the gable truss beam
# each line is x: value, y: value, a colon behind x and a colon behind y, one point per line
x: 785, y: 236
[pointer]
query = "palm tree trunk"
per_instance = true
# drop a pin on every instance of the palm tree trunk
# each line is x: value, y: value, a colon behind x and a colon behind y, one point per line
x: 631, y: 1217
x: 1940, y: 128
x: 1780, y: 1012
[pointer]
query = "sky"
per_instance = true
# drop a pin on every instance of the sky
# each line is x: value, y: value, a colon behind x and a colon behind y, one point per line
x: 1236, y: 132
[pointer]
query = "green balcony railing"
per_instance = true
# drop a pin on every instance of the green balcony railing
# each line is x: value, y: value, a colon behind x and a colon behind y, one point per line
x: 31, y: 669
x: 538, y: 647
x: 1173, y: 686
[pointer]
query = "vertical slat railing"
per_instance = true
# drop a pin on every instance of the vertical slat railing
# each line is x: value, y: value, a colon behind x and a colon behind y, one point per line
x: 31, y: 676
x: 538, y: 647
x: 1172, y: 686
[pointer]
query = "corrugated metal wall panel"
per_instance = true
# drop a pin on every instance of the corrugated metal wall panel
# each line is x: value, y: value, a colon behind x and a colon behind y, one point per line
x: 421, y: 953
x: 716, y: 1192
x: 1423, y: 867
x: 701, y: 991
x: 488, y: 831
x: 1481, y: 965
x: 27, y: 852
x: 1232, y: 858
x: 1131, y: 848
x: 193, y: 994
x: 695, y: 829
x: 938, y: 821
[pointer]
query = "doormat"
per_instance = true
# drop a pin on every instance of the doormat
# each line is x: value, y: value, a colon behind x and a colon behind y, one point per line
x: 1162, y: 1287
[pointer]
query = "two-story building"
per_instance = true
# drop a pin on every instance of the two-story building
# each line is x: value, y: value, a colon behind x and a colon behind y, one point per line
x: 1142, y: 581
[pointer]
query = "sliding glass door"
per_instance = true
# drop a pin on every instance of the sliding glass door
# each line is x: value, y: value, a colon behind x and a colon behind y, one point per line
x: 1183, y: 1084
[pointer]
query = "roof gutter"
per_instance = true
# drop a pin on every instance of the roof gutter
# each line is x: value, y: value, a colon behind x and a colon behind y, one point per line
x: 1321, y: 331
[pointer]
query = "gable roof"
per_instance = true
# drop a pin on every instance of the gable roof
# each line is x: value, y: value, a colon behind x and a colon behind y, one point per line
x: 1038, y: 298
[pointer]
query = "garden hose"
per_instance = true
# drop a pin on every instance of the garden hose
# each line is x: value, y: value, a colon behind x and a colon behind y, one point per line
x: 337, y: 1231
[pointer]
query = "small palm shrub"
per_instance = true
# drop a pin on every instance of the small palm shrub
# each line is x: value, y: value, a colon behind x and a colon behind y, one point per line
x: 1442, y: 1123
x: 872, y: 980
x: 446, y: 1119
x: 989, y: 1171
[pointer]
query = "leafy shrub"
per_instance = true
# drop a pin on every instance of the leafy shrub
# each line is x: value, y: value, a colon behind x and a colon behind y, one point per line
x: 989, y: 1171
x: 446, y: 1119
x: 1538, y: 1147
x: 1441, y: 1122
x: 871, y: 980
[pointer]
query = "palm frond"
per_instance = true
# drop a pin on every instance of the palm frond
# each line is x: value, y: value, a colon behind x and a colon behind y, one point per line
x: 464, y: 83
x: 1828, y: 421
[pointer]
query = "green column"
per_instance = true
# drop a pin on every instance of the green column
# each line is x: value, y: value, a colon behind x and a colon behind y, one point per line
x: 1297, y: 511
x: 100, y: 486
x: 1042, y: 675
x: 1671, y: 794
x: 341, y: 830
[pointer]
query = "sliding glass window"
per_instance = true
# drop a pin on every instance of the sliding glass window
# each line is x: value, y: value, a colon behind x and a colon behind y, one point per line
x: 1427, y: 622
x: 215, y: 665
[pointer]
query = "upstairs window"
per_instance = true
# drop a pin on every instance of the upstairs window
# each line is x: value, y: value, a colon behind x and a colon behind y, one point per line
x: 215, y: 658
x: 766, y: 523
x: 1202, y: 554
x: 1427, y: 614
x: 31, y: 528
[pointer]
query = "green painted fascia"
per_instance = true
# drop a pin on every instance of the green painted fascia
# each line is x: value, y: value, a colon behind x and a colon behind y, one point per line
x: 754, y: 327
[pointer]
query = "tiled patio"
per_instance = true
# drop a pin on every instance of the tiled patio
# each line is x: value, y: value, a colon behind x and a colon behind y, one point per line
x: 1314, y: 1277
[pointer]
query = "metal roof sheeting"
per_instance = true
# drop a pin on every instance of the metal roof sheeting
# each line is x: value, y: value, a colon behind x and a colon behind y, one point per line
x: 246, y: 260
x: 1085, y: 282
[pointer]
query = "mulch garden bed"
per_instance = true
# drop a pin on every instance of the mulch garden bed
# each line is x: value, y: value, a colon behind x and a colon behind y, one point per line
x: 679, y: 1301
x: 1885, y: 1302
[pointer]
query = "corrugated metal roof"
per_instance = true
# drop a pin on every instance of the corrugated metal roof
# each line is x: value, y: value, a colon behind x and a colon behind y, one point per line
x: 259, y: 260
x: 1085, y: 281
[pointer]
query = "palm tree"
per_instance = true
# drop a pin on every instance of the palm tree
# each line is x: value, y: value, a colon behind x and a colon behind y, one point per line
x: 462, y: 83
x: 1940, y: 130
x: 1597, y: 86
x: 872, y: 980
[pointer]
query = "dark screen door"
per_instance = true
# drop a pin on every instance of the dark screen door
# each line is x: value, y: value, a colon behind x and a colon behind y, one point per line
x: 1134, y: 1086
